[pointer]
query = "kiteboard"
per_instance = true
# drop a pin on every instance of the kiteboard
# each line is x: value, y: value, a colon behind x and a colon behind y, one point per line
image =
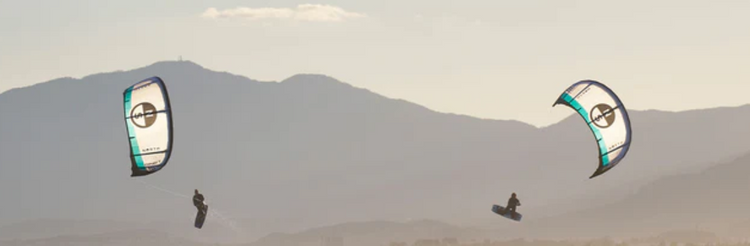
x: 499, y: 210
x: 201, y: 216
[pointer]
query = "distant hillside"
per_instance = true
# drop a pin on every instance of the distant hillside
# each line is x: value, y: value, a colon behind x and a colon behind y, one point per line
x: 373, y: 233
x: 714, y: 198
x: 56, y: 227
x: 141, y: 238
x: 688, y: 236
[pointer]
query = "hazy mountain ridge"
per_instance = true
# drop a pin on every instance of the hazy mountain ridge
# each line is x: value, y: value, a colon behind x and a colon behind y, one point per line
x: 35, y: 229
x: 315, y: 151
x: 713, y: 199
x: 134, y: 237
x: 373, y: 233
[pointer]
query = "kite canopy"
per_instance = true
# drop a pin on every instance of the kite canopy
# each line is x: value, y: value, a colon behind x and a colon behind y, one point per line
x: 148, y: 116
x: 606, y: 116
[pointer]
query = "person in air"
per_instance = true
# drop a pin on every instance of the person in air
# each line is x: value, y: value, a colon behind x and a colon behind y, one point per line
x: 513, y: 202
x: 198, y: 201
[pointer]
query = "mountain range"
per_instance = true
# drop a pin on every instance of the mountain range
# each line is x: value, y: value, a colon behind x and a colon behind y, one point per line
x: 311, y: 151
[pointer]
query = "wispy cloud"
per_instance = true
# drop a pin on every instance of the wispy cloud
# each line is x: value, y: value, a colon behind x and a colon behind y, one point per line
x: 303, y: 12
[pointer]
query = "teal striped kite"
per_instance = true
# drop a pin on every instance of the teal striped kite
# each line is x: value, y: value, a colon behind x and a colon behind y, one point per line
x: 606, y: 117
x: 148, y: 117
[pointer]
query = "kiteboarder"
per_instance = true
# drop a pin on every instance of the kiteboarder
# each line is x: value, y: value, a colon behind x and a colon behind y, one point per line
x: 512, y: 203
x: 198, y: 201
x: 202, y: 207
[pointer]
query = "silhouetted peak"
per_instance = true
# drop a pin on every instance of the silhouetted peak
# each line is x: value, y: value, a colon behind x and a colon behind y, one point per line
x: 185, y: 64
x: 317, y: 79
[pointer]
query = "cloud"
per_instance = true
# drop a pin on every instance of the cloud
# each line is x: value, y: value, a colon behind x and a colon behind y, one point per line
x: 303, y: 12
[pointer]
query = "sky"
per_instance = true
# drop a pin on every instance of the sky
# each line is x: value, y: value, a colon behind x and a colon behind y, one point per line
x: 491, y: 59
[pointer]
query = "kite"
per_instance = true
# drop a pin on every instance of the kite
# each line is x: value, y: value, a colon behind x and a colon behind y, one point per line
x: 606, y: 117
x: 148, y: 117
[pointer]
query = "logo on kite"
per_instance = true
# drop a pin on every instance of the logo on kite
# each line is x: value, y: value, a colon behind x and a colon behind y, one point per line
x: 602, y: 115
x: 143, y: 115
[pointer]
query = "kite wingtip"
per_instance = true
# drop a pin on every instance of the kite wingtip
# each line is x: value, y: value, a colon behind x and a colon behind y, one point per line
x: 597, y: 173
x: 558, y: 101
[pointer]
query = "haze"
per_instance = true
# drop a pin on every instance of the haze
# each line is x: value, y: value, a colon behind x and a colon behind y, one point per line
x: 489, y: 59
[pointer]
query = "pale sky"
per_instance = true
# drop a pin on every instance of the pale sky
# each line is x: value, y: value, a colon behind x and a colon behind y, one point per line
x: 486, y: 58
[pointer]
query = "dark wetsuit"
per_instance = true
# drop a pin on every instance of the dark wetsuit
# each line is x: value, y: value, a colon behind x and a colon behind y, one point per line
x: 512, y: 204
x: 198, y: 201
